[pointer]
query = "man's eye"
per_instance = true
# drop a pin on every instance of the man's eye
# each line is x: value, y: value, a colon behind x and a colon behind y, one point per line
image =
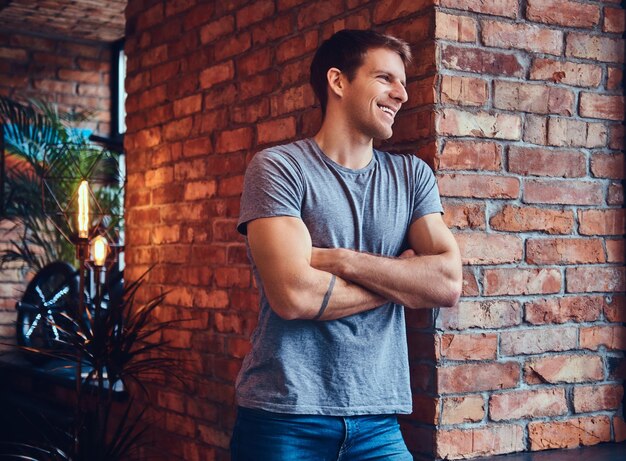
x: 385, y: 78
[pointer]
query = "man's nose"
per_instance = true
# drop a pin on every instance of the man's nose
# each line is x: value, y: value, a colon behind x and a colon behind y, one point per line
x: 399, y: 93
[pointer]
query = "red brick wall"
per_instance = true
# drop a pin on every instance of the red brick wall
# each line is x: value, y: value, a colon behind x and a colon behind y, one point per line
x: 73, y: 75
x: 530, y: 163
x: 211, y: 83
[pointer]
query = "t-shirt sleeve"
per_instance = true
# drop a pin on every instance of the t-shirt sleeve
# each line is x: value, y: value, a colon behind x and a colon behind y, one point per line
x: 426, y: 193
x: 273, y: 186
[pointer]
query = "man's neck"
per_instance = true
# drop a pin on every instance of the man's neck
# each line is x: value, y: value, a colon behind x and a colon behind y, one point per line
x: 343, y: 144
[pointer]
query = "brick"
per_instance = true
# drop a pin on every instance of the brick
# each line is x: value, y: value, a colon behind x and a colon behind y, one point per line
x: 480, y: 441
x: 464, y: 215
x: 231, y: 186
x: 297, y: 46
x: 466, y: 409
x: 570, y: 433
x: 232, y: 45
x: 480, y: 314
x: 616, y: 136
x: 536, y: 129
x: 619, y: 426
x: 514, y: 281
x: 523, y: 219
x: 597, y: 398
x: 54, y: 86
x: 216, y: 29
x: 482, y: 248
x: 481, y: 61
x: 602, y: 222
x: 216, y: 74
x: 454, y: 122
x: 258, y: 85
x: 14, y: 54
x: 478, y: 186
x: 614, y: 20
x: 611, y: 337
x: 538, y: 99
x: 464, y: 91
x: 272, y: 29
x: 566, y: 192
x: 178, y: 129
x: 537, y: 341
x: 575, y: 133
x: 292, y: 99
x: 250, y: 112
x: 522, y: 36
x: 563, y: 13
x: 455, y: 28
x: 527, y: 404
x: 506, y: 8
x: 480, y: 346
x: 200, y: 190
x: 470, y: 283
x: 614, y: 79
x: 318, y: 12
x: 276, y: 130
x: 615, y: 195
x: 564, y: 369
x: 547, y: 162
x: 564, y: 309
x: 606, y: 107
x: 567, y: 72
x: 595, y: 279
x: 564, y: 251
x: 477, y: 377
x: 608, y: 165
x: 255, y: 62
x: 594, y: 47
x: 234, y: 140
x: 253, y: 13
x: 387, y: 10
x: 615, y: 251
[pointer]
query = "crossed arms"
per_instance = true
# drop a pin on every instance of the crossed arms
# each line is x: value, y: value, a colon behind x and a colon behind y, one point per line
x: 296, y: 276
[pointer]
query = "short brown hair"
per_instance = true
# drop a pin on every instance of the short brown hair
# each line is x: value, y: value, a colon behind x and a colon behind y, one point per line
x: 345, y: 50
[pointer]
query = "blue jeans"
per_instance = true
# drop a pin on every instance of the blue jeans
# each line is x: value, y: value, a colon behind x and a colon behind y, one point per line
x: 264, y: 436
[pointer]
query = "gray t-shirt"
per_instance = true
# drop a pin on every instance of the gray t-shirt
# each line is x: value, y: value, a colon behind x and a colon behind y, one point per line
x: 358, y: 364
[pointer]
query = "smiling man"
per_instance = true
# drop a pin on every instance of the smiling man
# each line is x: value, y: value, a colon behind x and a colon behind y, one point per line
x: 342, y: 237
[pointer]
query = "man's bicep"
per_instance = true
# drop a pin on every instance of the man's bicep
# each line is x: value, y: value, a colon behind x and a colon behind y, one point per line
x: 281, y: 250
x: 429, y: 235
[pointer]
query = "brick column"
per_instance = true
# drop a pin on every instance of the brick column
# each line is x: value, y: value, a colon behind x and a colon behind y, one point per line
x: 529, y: 112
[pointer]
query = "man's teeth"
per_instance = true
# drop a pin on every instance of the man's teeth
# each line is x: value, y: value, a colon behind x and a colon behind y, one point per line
x: 388, y: 110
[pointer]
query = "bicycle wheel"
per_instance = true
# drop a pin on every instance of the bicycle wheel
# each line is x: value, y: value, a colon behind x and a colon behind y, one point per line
x: 53, y: 291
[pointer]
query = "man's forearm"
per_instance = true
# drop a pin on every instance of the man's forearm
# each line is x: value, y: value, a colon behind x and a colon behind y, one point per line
x: 413, y: 281
x: 343, y: 298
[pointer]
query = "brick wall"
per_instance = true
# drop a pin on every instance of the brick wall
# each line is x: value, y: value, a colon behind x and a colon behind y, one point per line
x: 211, y: 83
x: 73, y: 75
x: 529, y: 136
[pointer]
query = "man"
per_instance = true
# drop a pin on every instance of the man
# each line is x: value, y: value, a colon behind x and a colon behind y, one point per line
x: 341, y: 237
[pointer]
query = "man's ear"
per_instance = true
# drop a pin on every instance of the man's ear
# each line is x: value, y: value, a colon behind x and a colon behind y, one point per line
x: 336, y: 81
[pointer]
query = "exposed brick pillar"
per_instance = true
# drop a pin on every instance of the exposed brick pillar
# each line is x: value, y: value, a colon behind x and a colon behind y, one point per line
x: 529, y: 135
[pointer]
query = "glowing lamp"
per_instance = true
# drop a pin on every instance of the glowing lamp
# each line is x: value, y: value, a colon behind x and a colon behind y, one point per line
x: 99, y: 250
x: 83, y: 210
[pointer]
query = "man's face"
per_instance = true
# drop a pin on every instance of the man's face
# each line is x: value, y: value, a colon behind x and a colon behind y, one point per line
x: 372, y: 99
